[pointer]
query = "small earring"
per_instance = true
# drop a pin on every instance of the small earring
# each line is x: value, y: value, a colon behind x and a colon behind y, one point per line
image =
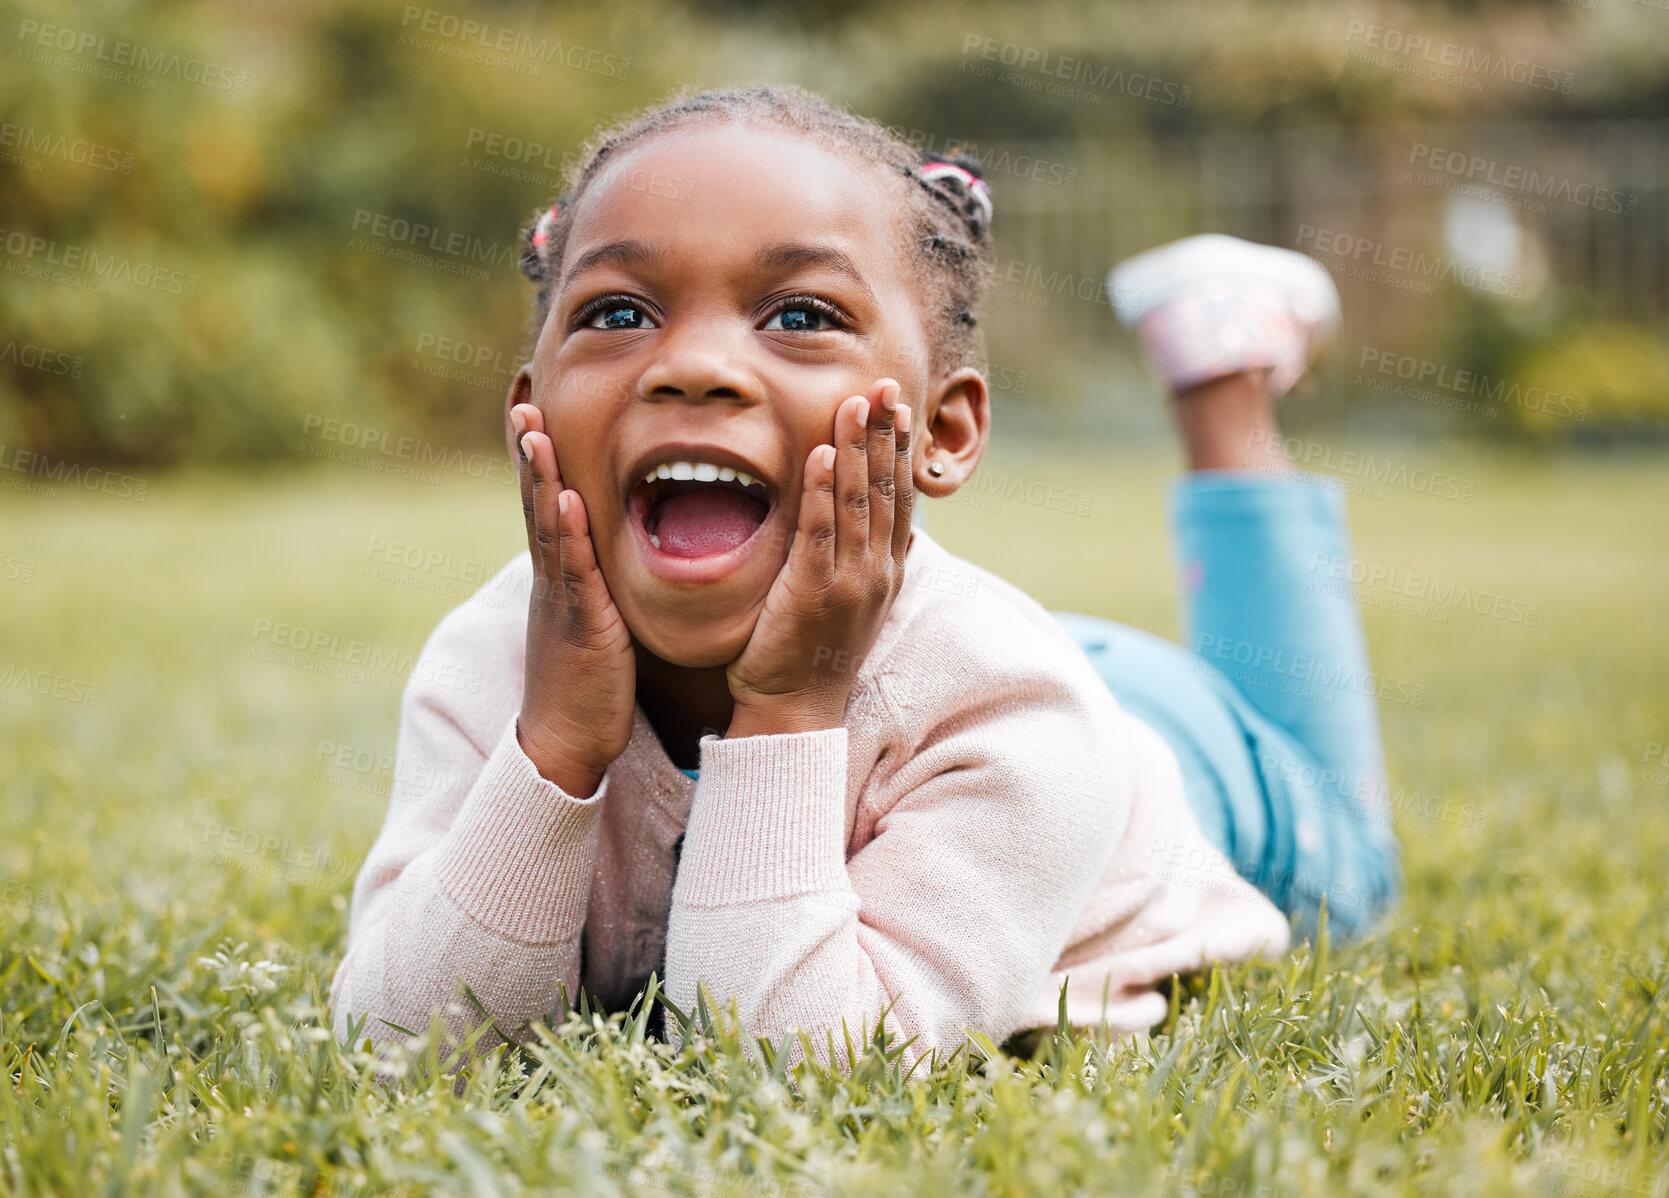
x: 936, y: 469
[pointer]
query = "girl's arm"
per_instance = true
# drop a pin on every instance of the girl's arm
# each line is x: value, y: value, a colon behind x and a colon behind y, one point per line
x: 1038, y: 820
x: 483, y: 868
x: 485, y: 881
x: 992, y: 838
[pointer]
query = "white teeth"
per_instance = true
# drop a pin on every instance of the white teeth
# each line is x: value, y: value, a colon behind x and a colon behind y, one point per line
x: 701, y: 472
x: 654, y: 540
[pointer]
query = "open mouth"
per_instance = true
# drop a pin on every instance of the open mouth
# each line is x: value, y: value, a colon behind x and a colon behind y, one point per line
x: 693, y: 509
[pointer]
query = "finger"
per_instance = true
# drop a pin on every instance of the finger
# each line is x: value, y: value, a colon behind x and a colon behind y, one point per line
x: 589, y: 601
x: 521, y: 420
x: 852, y: 483
x: 883, y: 439
x: 525, y: 417
x: 541, y: 488
x: 904, y: 487
x: 812, y: 556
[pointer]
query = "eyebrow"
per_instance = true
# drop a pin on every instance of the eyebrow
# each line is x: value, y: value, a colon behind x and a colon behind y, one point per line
x: 782, y: 257
x: 617, y: 253
x: 797, y: 257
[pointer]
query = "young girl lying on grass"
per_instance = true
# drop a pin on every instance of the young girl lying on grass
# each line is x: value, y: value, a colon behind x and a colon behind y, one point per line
x: 756, y: 732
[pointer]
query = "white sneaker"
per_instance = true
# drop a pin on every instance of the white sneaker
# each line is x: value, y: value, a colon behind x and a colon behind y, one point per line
x: 1214, y: 305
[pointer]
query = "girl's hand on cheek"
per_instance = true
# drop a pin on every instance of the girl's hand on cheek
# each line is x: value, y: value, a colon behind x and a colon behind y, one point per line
x: 580, y: 684
x: 843, y: 570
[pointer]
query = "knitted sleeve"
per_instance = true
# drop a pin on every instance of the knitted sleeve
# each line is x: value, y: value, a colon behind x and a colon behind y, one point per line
x: 482, y: 871
x: 993, y: 834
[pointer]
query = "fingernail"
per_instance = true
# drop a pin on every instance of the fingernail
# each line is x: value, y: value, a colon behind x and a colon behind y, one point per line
x: 562, y: 504
x: 904, y: 419
x: 863, y: 413
x: 518, y: 422
x: 527, y: 451
x: 828, y: 457
x: 889, y: 395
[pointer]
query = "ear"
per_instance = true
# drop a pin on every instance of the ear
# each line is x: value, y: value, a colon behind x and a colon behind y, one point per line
x: 957, y: 422
x: 521, y: 391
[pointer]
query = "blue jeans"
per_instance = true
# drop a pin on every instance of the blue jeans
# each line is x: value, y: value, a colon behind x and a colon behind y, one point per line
x: 1273, y: 712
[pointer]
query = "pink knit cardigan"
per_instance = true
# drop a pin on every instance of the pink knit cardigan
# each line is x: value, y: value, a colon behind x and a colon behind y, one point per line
x: 987, y: 825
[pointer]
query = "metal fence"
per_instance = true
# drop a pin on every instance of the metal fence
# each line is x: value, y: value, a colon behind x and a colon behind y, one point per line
x: 1413, y: 220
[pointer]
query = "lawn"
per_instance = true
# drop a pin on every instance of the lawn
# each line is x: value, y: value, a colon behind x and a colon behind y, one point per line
x: 177, y: 845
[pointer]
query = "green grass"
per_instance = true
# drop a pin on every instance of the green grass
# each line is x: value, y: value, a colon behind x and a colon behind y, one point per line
x: 1507, y: 1031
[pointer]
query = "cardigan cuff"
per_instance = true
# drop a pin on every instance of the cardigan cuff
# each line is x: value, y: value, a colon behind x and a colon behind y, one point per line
x: 768, y: 819
x: 520, y: 854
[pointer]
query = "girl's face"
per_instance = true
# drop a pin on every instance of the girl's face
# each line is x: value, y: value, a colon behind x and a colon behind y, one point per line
x: 723, y: 290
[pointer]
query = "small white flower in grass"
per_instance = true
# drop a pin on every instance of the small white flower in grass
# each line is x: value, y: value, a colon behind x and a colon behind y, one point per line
x: 237, y: 975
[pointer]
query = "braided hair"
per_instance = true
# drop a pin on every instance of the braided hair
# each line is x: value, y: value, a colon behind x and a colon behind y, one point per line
x: 948, y: 202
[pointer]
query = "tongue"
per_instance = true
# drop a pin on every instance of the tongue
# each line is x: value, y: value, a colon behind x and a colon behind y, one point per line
x: 706, y: 521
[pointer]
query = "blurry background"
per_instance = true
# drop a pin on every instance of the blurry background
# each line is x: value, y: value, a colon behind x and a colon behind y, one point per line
x: 225, y: 224
x: 258, y: 311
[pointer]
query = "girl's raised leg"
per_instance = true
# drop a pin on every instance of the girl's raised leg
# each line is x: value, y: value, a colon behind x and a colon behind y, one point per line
x: 1274, y: 712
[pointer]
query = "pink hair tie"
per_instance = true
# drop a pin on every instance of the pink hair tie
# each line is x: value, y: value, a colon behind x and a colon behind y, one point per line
x: 547, y: 222
x: 934, y: 171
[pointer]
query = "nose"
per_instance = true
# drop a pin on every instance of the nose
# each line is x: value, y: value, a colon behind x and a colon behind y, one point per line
x: 700, y: 362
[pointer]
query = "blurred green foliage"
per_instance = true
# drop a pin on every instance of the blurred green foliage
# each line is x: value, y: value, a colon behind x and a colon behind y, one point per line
x: 185, y: 187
